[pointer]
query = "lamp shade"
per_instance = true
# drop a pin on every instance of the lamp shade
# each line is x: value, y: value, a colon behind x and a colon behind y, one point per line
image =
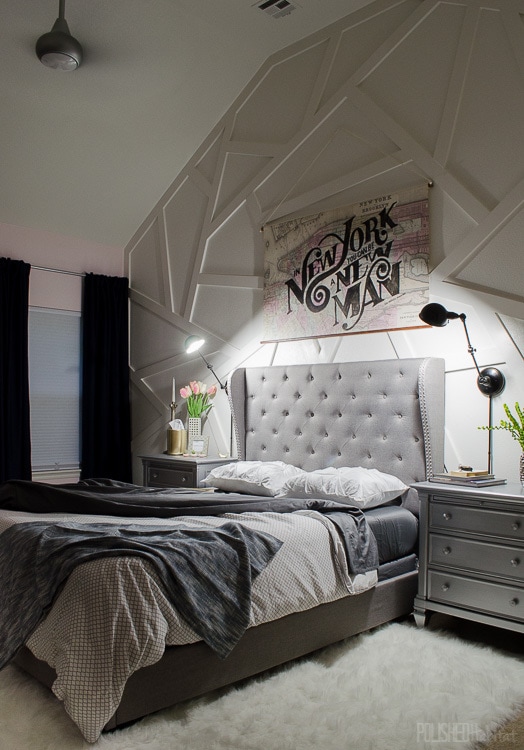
x: 436, y: 315
x: 193, y: 344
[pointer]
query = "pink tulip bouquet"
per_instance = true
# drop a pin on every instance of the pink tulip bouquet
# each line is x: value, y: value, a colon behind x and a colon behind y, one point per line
x: 198, y: 397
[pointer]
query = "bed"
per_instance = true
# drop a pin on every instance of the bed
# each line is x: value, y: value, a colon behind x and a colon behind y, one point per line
x: 379, y: 416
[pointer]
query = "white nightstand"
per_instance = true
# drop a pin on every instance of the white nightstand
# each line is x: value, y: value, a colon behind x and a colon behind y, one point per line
x: 471, y: 552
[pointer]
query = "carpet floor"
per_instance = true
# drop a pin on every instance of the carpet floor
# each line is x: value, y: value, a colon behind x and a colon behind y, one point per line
x: 395, y: 688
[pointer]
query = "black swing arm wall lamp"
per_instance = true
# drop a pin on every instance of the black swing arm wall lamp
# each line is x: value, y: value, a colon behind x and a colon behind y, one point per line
x: 490, y: 380
x: 194, y: 344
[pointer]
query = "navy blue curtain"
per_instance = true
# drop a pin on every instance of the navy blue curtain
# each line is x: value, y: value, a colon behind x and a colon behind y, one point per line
x: 15, y: 426
x: 106, y: 413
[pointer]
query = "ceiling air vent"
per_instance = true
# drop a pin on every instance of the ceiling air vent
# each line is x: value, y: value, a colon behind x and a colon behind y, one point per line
x: 276, y: 8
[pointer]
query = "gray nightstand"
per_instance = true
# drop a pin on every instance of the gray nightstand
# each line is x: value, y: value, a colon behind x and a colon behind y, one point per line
x: 472, y: 553
x: 178, y: 471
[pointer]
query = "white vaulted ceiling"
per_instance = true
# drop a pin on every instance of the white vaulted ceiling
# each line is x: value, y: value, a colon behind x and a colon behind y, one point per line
x: 89, y: 153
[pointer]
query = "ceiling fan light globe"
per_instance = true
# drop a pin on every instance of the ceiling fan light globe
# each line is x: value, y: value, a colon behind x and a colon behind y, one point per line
x: 58, y: 49
x: 59, y: 61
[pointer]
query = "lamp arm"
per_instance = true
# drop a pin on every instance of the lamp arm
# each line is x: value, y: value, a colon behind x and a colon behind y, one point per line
x: 490, y: 381
x: 210, y: 367
x: 471, y: 350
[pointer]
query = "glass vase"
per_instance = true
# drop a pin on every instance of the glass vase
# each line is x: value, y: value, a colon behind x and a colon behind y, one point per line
x: 521, y: 469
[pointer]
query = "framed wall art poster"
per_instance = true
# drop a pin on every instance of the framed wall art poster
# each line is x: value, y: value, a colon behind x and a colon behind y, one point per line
x: 356, y: 269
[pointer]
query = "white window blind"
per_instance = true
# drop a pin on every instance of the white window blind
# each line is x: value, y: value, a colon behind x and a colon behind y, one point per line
x: 54, y: 384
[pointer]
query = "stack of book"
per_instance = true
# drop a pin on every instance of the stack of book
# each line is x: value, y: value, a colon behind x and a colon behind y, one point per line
x: 467, y: 478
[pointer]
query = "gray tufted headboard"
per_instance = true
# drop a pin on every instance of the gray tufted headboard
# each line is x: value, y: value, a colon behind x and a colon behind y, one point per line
x: 384, y: 414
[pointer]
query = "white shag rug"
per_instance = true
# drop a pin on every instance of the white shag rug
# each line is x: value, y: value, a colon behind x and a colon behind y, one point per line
x: 396, y: 688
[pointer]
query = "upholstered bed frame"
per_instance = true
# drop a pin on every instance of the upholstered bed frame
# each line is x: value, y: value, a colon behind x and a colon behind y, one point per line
x: 387, y: 415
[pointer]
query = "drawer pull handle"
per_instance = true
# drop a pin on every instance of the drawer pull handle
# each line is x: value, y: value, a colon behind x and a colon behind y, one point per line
x: 183, y: 480
x: 515, y: 562
x: 515, y: 525
x: 155, y: 475
x: 446, y: 516
x: 445, y: 587
x: 514, y: 602
x: 446, y: 550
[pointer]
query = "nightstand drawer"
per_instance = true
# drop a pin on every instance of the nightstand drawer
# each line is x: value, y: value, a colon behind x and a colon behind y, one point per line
x: 167, y: 477
x: 450, y: 516
x: 178, y: 471
x: 482, y: 557
x: 484, y: 596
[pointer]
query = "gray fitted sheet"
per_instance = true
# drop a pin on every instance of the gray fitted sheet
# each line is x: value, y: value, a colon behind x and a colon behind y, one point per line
x: 396, y: 531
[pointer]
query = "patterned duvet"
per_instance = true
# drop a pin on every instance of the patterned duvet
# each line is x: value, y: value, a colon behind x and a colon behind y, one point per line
x: 113, y: 615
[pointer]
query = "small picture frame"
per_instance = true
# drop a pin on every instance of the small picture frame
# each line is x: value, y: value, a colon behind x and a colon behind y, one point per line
x: 198, y: 445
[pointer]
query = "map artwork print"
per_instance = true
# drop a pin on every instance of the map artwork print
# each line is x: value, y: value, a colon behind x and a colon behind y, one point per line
x: 349, y: 270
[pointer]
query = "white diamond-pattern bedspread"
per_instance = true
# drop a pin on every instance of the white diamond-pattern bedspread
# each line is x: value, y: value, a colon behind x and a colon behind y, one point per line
x: 113, y: 615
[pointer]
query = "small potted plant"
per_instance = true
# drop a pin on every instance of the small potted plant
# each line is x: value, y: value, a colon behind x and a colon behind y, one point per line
x: 515, y: 426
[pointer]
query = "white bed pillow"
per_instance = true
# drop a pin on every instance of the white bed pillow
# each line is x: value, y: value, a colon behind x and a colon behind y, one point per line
x: 364, y: 488
x: 252, y: 477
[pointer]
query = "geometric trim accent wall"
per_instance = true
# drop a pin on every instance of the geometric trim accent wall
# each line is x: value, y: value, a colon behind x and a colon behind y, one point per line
x: 389, y: 97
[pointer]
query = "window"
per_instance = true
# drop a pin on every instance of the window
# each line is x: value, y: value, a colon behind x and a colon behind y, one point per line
x: 54, y: 387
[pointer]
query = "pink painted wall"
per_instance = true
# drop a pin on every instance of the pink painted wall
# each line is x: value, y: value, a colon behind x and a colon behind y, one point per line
x: 57, y: 290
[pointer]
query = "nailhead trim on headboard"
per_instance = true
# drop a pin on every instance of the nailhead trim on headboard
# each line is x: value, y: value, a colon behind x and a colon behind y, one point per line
x: 425, y: 419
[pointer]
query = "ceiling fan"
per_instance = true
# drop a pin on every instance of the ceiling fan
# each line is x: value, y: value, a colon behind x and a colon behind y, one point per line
x: 58, y: 49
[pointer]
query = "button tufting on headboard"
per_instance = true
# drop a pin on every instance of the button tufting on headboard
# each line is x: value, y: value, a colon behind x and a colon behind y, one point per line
x: 386, y: 414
